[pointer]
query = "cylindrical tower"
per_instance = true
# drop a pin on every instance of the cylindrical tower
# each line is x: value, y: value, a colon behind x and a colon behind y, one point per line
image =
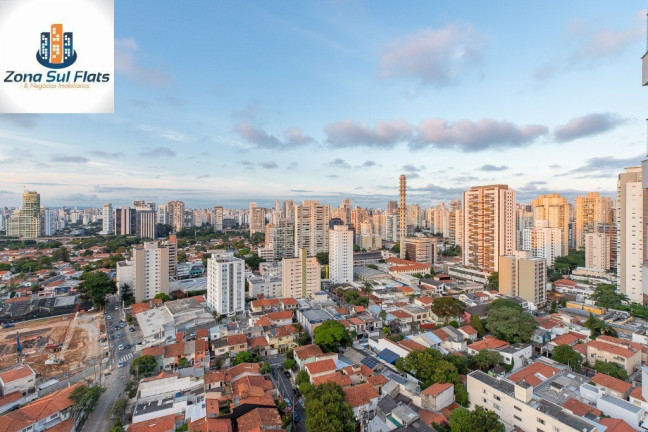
x: 403, y: 215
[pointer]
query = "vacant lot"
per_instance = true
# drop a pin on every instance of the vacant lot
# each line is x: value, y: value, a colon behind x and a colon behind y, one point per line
x: 35, y: 335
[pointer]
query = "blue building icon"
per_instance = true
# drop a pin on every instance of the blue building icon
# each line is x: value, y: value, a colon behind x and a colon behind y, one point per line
x: 68, y: 49
x: 45, y: 46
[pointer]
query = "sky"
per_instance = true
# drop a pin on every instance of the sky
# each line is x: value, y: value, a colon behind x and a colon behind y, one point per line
x: 222, y: 103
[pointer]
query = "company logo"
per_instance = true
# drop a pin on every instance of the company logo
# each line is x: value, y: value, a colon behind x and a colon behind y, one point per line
x: 56, y: 48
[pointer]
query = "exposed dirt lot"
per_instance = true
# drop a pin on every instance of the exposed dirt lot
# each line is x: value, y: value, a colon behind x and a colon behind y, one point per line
x: 35, y: 335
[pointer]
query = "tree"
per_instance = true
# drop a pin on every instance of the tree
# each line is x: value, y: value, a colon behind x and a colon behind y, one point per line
x: 143, y: 366
x: 477, y: 420
x: 245, y: 357
x: 353, y: 297
x: 253, y: 261
x: 493, y: 281
x: 606, y: 295
x: 448, y: 307
x: 289, y: 364
x: 95, y: 286
x: 61, y: 254
x: 182, y: 362
x: 383, y: 314
x: 554, y: 306
x: 163, y: 297
x: 503, y: 303
x: 163, y: 230
x: 611, y: 369
x: 265, y: 368
x: 86, y: 398
x: 331, y: 335
x: 304, y: 339
x: 182, y: 256
x: 478, y: 325
x: 486, y: 359
x: 302, y: 377
x: 565, y: 354
x: 322, y: 258
x: 119, y: 408
x: 396, y: 248
x: 510, y: 324
x: 327, y: 409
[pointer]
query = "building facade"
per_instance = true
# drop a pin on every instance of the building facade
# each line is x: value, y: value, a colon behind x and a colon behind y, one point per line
x: 150, y: 270
x: 630, y: 233
x: 340, y: 254
x: 301, y: 276
x: 225, y: 284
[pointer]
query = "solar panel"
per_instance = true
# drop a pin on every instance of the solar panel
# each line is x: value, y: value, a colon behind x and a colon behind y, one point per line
x: 369, y: 362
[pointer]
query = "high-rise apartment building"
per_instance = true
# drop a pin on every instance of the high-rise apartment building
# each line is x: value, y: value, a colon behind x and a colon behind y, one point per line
x: 630, y: 233
x: 150, y: 270
x: 421, y: 249
x: 543, y: 241
x: 162, y: 214
x: 288, y: 210
x: 172, y: 244
x: 280, y: 240
x: 391, y: 227
x: 301, y: 276
x: 107, y: 221
x: 311, y: 227
x: 257, y: 219
x: 176, y: 211
x: 597, y: 251
x: 25, y: 222
x: 555, y: 210
x: 48, y: 225
x: 125, y: 221
x: 523, y: 220
x: 226, y: 284
x: 589, y: 212
x: 145, y: 226
x: 217, y: 218
x: 523, y: 277
x: 402, y: 209
x: 489, y: 226
x: 340, y: 254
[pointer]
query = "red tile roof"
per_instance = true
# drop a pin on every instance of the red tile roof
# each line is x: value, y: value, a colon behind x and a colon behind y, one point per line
x: 612, y: 383
x: 469, y: 330
x: 280, y: 315
x: 320, y: 366
x: 306, y: 351
x: 411, y: 345
x: 236, y: 339
x: 489, y: 342
x: 259, y: 341
x: 437, y: 388
x: 616, y: 425
x: 613, y: 349
x: 336, y: 377
x: 360, y: 394
x: 289, y: 301
x: 580, y: 409
x: 37, y: 410
x: 160, y: 424
x: 259, y: 419
x: 377, y: 380
x: 16, y: 373
x: 532, y: 374
x: 568, y: 338
x: 636, y: 393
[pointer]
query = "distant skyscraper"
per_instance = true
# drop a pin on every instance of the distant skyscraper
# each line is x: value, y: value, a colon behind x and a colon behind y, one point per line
x: 25, y: 223
x: 340, y: 254
x: 145, y: 224
x: 176, y: 210
x: 162, y: 215
x: 125, y: 221
x: 107, y: 221
x: 555, y: 210
x: 630, y: 233
x: 590, y: 211
x: 597, y: 251
x: 489, y: 226
x: 217, y: 218
x: 226, y: 284
x: 48, y: 224
x: 150, y: 270
x: 257, y: 219
x: 311, y: 227
x: 288, y: 209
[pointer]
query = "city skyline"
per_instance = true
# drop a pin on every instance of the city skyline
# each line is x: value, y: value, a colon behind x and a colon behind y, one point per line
x: 452, y: 96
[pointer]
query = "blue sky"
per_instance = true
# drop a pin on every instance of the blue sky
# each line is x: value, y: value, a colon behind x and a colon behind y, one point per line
x: 221, y: 103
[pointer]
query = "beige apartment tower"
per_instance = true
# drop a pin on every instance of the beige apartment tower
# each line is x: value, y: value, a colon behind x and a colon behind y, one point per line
x: 523, y: 277
x: 589, y: 212
x: 311, y: 227
x: 301, y: 276
x: 489, y: 226
x: 597, y: 251
x: 555, y: 210
x: 26, y: 222
x: 176, y: 211
x: 150, y: 270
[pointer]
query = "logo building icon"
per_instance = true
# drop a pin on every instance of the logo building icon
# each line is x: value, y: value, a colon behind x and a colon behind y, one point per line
x: 56, y: 49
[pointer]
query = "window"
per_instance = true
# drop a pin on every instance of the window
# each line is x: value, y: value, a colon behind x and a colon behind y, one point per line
x: 517, y: 418
x: 541, y: 421
x: 517, y: 408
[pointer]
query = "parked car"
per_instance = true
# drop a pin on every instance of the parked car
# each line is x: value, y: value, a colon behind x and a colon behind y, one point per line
x: 131, y: 329
x: 121, y: 347
x: 120, y: 364
x: 119, y: 335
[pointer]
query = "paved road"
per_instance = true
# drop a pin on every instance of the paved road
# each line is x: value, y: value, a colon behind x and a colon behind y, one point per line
x: 99, y: 420
x: 285, y: 387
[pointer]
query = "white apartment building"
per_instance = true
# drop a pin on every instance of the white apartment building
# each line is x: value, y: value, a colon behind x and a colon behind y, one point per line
x: 162, y: 214
x: 517, y: 407
x: 597, y: 251
x: 107, y: 222
x: 301, y: 276
x: 543, y: 241
x: 392, y: 227
x: 225, y: 284
x: 150, y: 270
x: 340, y: 254
x: 489, y: 226
x: 554, y: 209
x: 630, y: 233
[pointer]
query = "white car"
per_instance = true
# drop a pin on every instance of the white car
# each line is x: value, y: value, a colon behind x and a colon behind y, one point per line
x: 121, y: 347
x: 120, y: 364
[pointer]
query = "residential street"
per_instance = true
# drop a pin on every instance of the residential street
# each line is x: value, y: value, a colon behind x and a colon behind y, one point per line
x: 285, y: 387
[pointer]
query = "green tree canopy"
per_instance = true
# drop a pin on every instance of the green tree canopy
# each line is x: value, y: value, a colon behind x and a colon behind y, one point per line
x: 607, y: 296
x: 493, y: 281
x: 478, y: 325
x: 322, y: 258
x: 510, y: 324
x: 477, y: 420
x: 95, y: 286
x: 448, y: 307
x: 565, y: 354
x: 289, y: 364
x: 487, y: 359
x: 302, y: 377
x: 327, y: 410
x: 611, y: 369
x: 331, y: 335
x: 503, y: 303
x: 143, y: 366
x: 162, y: 296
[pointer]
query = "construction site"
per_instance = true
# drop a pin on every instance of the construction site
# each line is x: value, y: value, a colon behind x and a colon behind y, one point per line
x: 54, y: 347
